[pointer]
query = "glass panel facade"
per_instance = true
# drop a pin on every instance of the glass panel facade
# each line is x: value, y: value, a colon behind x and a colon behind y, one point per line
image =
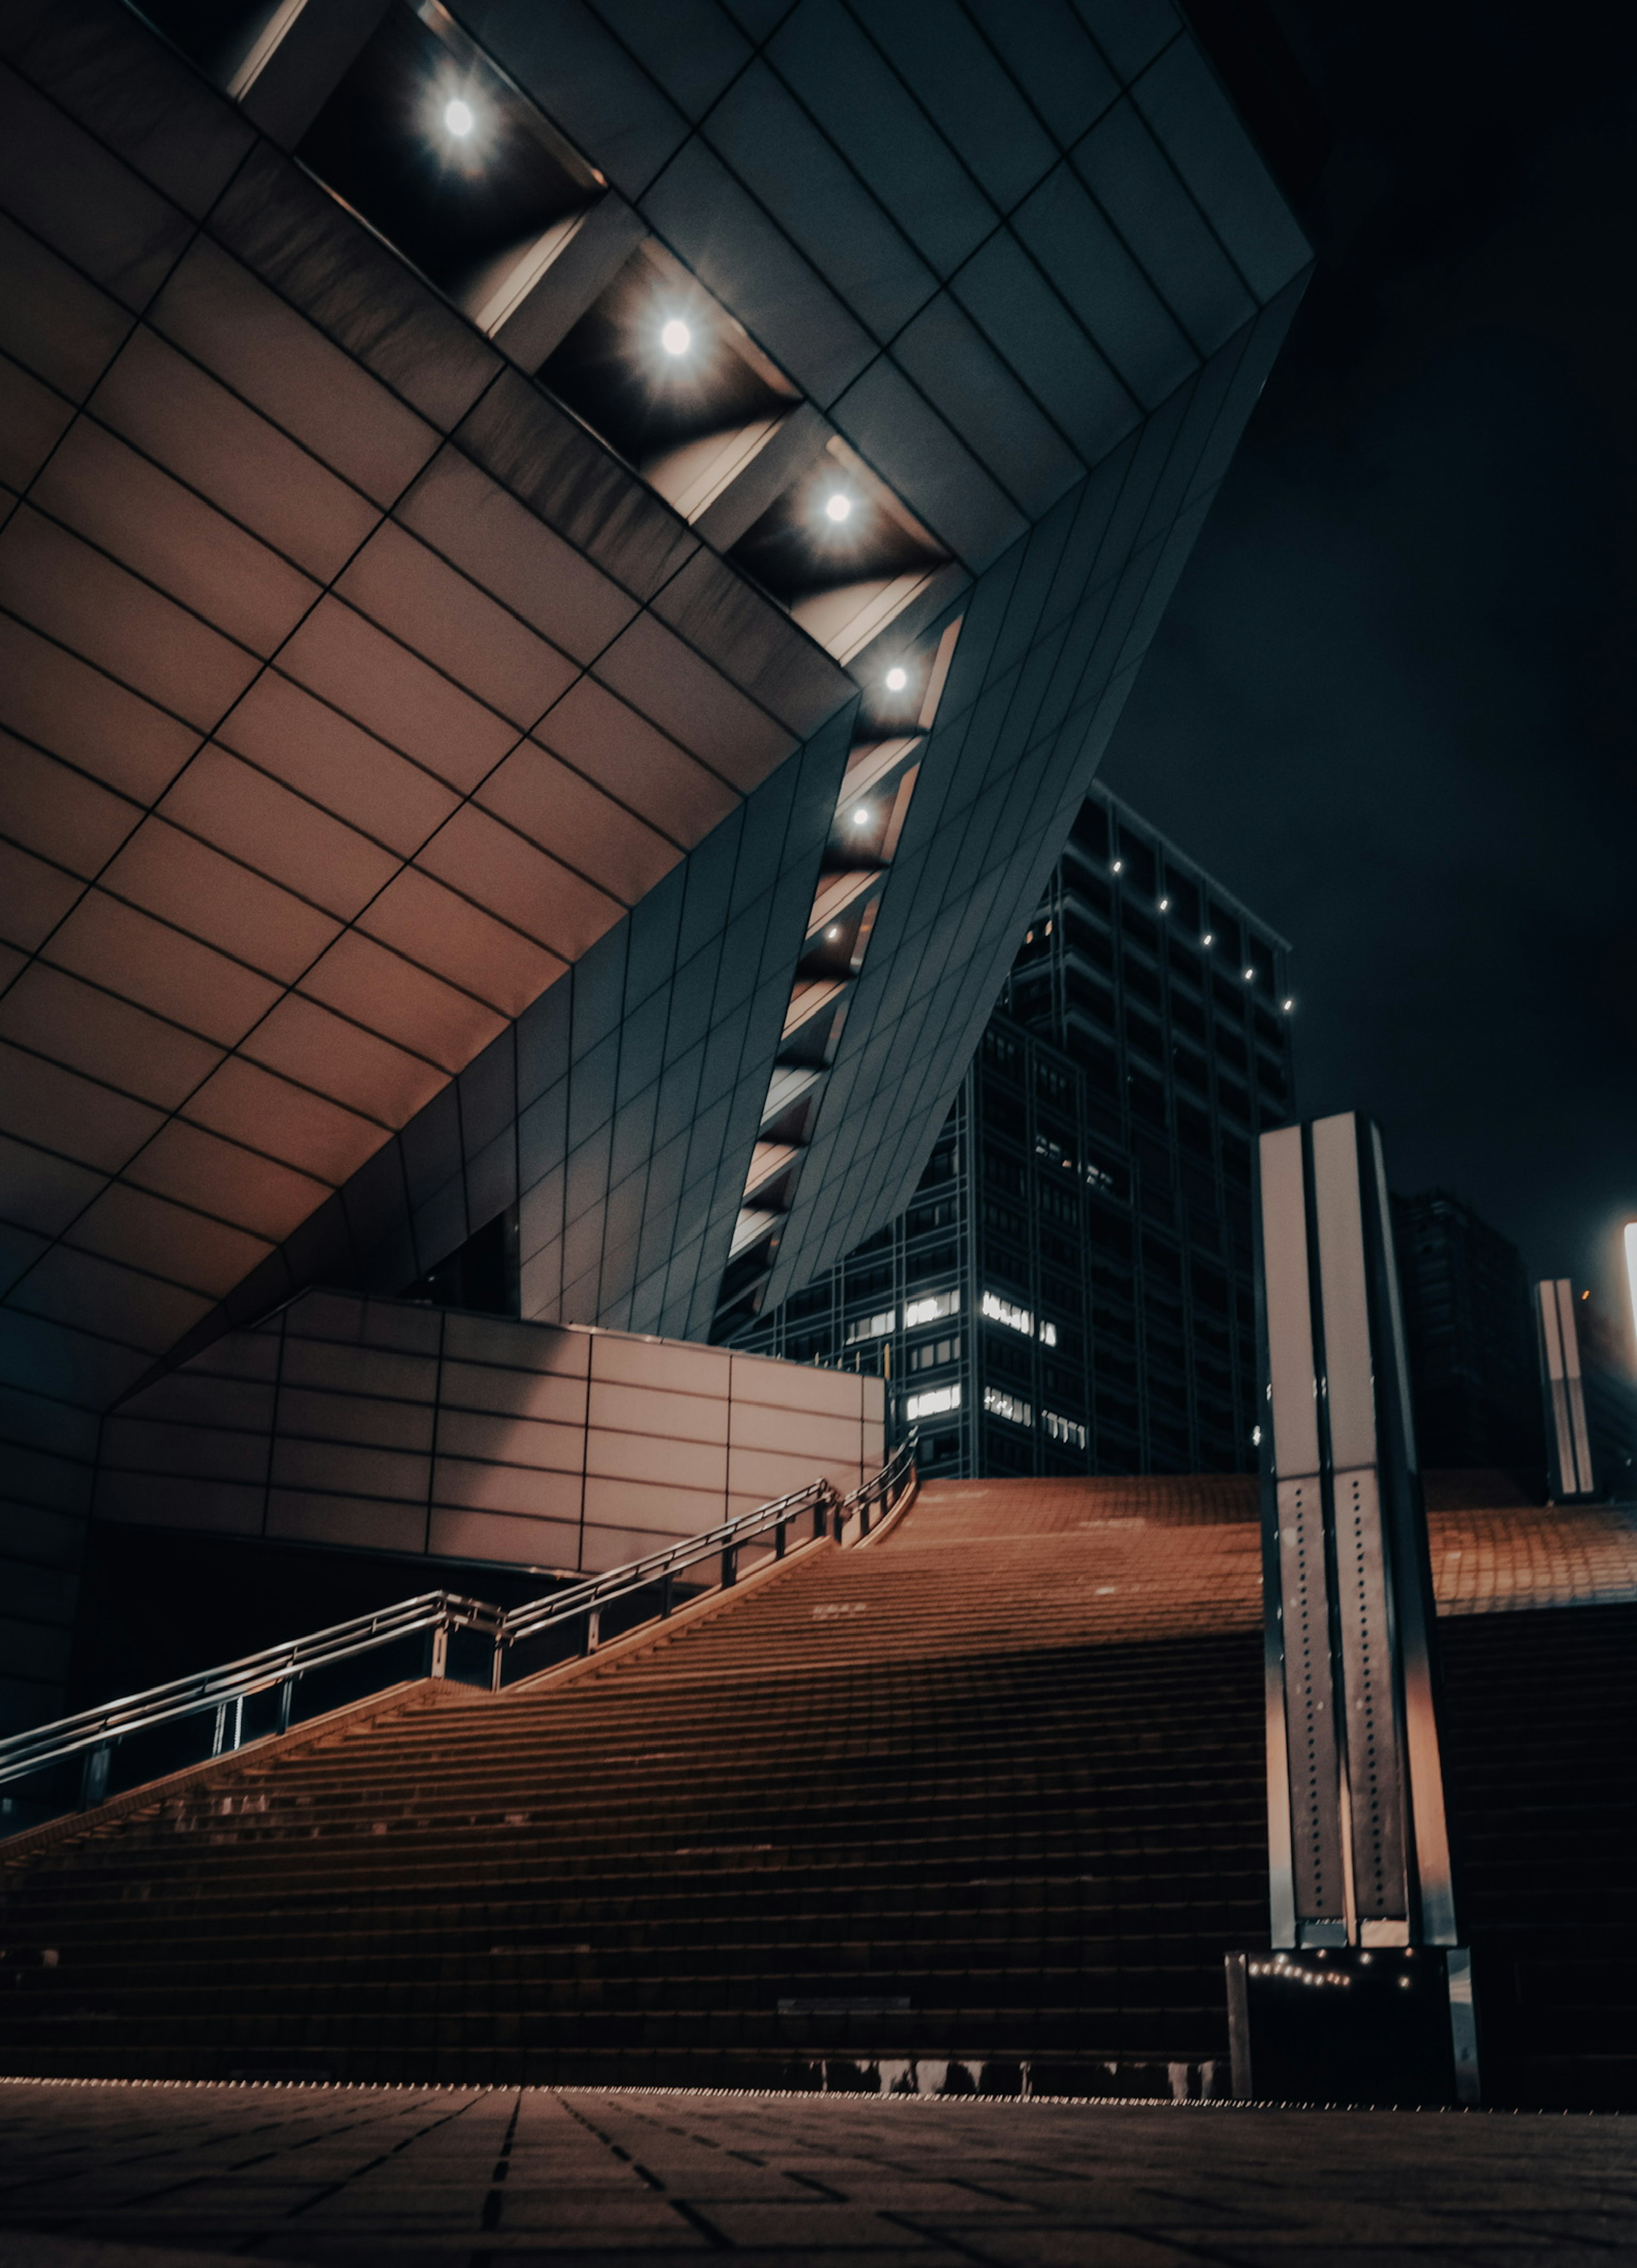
x: 1088, y: 1203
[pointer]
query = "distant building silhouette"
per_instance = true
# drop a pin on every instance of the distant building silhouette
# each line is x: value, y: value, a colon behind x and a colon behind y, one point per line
x: 1610, y: 1389
x: 1473, y: 1366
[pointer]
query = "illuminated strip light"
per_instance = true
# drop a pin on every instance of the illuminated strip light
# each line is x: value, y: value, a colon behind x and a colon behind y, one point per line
x: 937, y: 1401
x: 1000, y: 1404
x: 1063, y: 1429
x: 932, y: 1308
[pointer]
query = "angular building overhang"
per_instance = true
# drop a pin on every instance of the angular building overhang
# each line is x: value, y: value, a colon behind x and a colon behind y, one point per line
x: 435, y: 733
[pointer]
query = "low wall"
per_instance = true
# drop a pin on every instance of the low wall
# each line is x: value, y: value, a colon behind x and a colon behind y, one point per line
x: 376, y: 1424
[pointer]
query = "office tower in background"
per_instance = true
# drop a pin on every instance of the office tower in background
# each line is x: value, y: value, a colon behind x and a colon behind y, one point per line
x: 1070, y: 1289
x: 1473, y: 1364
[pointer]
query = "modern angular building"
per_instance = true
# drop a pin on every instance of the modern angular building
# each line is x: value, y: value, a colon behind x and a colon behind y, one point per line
x: 1473, y: 1368
x: 566, y: 569
x: 1070, y: 1287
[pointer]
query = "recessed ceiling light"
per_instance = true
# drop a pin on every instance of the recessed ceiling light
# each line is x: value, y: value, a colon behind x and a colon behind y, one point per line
x: 1117, y: 867
x: 832, y: 934
x: 1209, y: 938
x: 896, y: 680
x: 458, y: 117
x: 1250, y: 973
x: 1289, y: 1004
x: 1165, y: 905
x: 838, y: 507
x: 861, y: 816
x: 675, y: 338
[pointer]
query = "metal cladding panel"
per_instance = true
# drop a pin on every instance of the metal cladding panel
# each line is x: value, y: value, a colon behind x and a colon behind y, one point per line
x: 384, y: 1426
x: 1570, y: 1448
x: 1050, y: 643
x: 1349, y: 1367
x: 415, y: 816
x: 619, y: 1112
x: 833, y: 186
x: 1286, y: 1294
x: 322, y: 789
x: 1310, y: 1711
x: 1358, y: 1839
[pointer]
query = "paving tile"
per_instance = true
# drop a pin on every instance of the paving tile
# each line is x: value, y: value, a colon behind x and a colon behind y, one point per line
x: 348, y: 2178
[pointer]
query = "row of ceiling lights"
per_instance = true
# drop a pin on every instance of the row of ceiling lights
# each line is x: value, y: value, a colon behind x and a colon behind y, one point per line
x: 1117, y: 867
x: 677, y: 341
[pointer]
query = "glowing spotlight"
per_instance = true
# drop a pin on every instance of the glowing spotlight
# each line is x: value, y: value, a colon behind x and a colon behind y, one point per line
x: 1165, y: 905
x: 896, y: 680
x: 1288, y: 1005
x: 458, y: 118
x: 831, y: 935
x: 862, y: 817
x: 675, y: 338
x: 838, y: 507
x: 1117, y: 867
x: 1250, y: 973
x: 1209, y: 938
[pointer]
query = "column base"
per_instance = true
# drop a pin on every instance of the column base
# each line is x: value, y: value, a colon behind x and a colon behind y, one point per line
x: 1384, y: 2024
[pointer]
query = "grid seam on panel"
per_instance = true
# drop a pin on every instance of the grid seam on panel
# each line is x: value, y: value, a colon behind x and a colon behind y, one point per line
x: 355, y: 917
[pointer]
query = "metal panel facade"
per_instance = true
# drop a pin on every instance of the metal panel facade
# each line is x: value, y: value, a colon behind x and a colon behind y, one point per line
x: 416, y: 812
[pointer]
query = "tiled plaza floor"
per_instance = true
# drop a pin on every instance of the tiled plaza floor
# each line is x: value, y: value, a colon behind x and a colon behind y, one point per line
x: 110, y: 2176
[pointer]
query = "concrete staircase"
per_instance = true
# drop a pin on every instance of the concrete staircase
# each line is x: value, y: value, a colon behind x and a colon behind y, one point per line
x: 977, y: 1805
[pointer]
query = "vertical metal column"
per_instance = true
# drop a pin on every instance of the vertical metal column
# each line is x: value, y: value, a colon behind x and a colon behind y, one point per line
x: 1568, y: 1445
x: 1358, y: 1854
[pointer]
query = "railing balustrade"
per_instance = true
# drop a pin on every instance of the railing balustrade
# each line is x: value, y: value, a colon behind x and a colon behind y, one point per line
x: 95, y: 1735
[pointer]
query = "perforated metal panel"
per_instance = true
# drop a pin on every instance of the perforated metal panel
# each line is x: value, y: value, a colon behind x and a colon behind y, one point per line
x: 1357, y: 1839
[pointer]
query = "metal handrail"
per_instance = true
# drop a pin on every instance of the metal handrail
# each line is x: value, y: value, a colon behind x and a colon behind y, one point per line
x: 884, y: 1489
x: 234, y: 1682
x: 600, y: 1591
x: 94, y: 1732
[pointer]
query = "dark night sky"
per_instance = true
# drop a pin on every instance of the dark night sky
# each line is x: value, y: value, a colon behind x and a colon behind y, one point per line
x: 1395, y: 702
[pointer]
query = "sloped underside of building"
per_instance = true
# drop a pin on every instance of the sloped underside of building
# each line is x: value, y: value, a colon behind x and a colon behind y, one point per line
x: 983, y: 1796
x: 425, y: 797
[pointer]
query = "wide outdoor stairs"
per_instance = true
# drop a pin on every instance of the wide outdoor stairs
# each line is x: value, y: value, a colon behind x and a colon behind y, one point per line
x: 980, y: 1804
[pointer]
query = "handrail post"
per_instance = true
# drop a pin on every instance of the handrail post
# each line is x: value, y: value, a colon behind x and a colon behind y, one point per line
x: 730, y: 1566
x: 668, y: 1585
x: 219, y: 1737
x: 593, y: 1629
x: 93, y: 1778
x: 286, y: 1699
x: 781, y: 1536
x: 495, y: 1664
x: 440, y: 1652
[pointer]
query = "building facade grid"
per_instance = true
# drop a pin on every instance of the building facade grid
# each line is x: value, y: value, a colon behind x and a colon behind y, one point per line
x: 1070, y: 1289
